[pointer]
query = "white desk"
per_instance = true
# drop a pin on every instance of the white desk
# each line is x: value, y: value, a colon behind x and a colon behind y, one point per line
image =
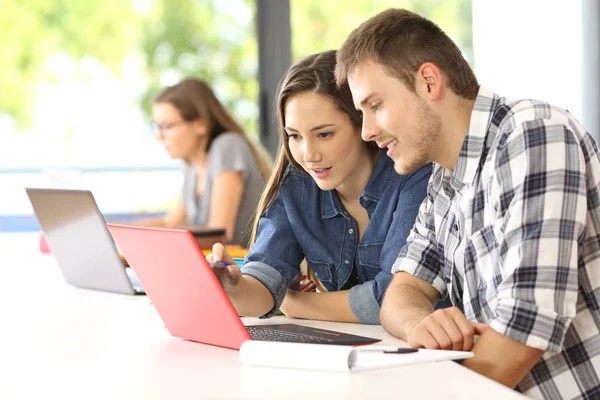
x: 57, y: 341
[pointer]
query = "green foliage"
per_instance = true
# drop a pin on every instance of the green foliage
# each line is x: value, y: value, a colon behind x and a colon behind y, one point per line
x: 31, y: 31
x: 319, y: 25
x: 175, y: 39
x: 192, y: 38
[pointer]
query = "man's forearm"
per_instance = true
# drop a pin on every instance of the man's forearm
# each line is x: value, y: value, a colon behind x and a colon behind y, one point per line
x: 251, y: 298
x: 404, y: 305
x: 326, y: 306
x: 502, y: 359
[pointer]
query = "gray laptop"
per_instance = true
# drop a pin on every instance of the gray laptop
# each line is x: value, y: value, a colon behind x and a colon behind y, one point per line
x: 79, y: 240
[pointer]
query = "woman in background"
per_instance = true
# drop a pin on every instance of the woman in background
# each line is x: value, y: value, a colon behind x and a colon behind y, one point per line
x: 225, y: 171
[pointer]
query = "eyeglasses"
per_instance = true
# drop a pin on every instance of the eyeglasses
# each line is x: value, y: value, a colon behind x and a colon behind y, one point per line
x: 166, y: 127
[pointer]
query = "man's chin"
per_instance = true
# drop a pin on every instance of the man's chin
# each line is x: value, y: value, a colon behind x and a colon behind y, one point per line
x: 404, y: 168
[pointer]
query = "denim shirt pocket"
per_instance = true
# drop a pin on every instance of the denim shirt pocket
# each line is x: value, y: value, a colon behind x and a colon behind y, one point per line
x: 322, y: 270
x: 369, y: 255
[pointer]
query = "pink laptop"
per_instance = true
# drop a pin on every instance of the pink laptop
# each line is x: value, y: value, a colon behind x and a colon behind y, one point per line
x: 189, y: 298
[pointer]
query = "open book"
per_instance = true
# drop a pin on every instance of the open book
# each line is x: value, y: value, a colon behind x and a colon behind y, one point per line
x: 326, y: 357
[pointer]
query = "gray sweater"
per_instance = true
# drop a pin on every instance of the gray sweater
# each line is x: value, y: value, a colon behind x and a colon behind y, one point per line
x: 228, y: 152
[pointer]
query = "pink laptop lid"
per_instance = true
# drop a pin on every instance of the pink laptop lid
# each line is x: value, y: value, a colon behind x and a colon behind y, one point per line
x: 181, y: 285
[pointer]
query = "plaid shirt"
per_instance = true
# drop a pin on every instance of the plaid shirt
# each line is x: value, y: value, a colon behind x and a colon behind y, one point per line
x: 513, y: 235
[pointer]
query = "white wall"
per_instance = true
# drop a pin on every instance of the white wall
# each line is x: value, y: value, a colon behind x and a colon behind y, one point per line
x: 531, y: 49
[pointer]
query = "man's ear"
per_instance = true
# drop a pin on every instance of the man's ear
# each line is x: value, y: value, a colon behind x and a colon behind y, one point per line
x: 429, y: 81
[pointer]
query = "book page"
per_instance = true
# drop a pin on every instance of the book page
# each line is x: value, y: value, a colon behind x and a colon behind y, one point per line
x: 324, y: 357
x: 368, y: 358
x: 333, y: 358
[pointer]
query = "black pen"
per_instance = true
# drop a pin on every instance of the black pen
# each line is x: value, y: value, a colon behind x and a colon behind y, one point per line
x: 401, y: 350
x: 390, y: 350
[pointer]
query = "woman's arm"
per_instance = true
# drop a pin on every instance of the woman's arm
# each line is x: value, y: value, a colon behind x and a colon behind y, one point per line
x: 248, y: 295
x: 226, y: 197
x: 323, y: 306
x: 176, y: 218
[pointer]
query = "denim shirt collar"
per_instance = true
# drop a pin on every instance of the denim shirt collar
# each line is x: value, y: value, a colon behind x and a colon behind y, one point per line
x: 331, y: 204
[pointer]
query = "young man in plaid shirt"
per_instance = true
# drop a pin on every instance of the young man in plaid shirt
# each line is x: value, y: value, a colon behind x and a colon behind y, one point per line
x: 510, y: 229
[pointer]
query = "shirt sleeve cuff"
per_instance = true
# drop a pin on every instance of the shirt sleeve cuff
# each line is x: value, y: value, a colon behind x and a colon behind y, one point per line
x: 530, y: 325
x: 271, y: 278
x: 363, y: 303
x: 422, y: 272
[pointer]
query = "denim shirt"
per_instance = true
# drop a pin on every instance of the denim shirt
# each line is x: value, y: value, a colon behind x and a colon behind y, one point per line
x: 305, y: 221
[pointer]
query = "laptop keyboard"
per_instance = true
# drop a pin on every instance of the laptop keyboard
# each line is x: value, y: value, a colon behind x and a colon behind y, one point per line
x: 274, y: 335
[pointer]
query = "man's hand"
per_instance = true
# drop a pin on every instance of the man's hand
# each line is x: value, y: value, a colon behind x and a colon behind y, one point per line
x: 445, y: 329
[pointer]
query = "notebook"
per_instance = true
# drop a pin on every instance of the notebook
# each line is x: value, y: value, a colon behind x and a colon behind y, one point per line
x: 189, y: 298
x: 76, y: 233
x: 339, y: 358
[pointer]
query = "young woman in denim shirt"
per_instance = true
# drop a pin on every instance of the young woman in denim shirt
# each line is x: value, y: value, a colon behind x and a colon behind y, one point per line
x: 332, y: 200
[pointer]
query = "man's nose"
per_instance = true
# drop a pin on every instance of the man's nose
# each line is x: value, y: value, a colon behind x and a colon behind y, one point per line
x: 369, y: 132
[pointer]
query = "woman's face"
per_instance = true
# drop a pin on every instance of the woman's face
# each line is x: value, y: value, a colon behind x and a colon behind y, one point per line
x: 322, y: 139
x: 181, y: 138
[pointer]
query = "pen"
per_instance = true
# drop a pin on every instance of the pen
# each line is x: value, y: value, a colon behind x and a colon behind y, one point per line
x: 219, y: 264
x: 390, y: 350
x: 401, y: 350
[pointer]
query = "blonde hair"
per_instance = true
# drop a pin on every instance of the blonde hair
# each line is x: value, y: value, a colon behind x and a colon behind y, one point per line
x: 195, y: 99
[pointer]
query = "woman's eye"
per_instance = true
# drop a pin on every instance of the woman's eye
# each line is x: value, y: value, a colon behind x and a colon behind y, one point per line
x: 292, y: 136
x: 375, y: 106
x: 325, y: 135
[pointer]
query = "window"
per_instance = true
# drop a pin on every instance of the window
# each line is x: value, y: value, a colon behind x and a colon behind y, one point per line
x: 538, y: 57
x: 77, y: 81
x: 319, y: 25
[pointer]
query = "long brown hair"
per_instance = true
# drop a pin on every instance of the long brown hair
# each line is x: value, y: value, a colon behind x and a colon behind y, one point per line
x: 402, y: 41
x: 195, y: 99
x: 314, y: 73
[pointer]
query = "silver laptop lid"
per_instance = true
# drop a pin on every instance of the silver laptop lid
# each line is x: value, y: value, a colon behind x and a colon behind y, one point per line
x: 77, y: 235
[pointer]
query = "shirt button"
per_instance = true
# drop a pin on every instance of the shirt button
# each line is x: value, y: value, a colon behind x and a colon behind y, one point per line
x: 347, y: 261
x: 315, y: 273
x: 351, y: 231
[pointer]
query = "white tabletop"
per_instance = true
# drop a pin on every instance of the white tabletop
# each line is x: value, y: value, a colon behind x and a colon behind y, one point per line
x: 57, y: 341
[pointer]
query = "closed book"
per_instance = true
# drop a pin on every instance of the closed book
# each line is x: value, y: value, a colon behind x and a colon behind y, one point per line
x: 333, y: 358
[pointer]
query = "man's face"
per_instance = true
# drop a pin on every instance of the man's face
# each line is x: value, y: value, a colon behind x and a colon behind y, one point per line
x: 394, y: 116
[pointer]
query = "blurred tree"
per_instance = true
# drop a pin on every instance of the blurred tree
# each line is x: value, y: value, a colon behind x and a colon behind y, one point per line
x: 34, y: 30
x: 210, y: 39
x: 175, y: 38
x: 319, y: 25
x: 200, y: 38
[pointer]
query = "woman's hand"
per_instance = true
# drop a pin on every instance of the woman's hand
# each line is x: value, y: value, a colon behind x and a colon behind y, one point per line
x: 224, y: 267
x: 301, y: 283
